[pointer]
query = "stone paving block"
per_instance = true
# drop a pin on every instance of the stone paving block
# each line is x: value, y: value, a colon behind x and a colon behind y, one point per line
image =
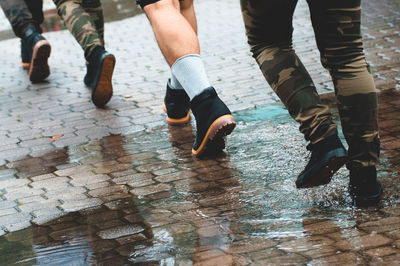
x: 175, y: 176
x: 4, y: 212
x: 71, y: 206
x: 264, y: 254
x: 381, y: 252
x: 143, y: 191
x: 289, y: 259
x: 322, y: 228
x: 15, y: 218
x: 139, y: 237
x: 136, y: 180
x: 363, y: 242
x: 73, y: 170
x: 67, y: 193
x: 7, y: 204
x: 114, y: 168
x: 51, y: 183
x: 38, y: 205
x: 22, y: 193
x: 154, y: 166
x: 219, y: 260
x: 18, y: 226
x: 120, y: 231
x: 98, y: 185
x: 381, y: 225
x: 207, y: 254
x: 104, y: 191
x: 347, y: 258
x: 14, y: 184
x: 85, y: 180
x: 251, y: 245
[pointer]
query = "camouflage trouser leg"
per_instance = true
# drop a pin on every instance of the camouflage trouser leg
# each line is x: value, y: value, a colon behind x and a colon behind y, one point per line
x: 23, y: 13
x: 337, y: 28
x: 84, y: 19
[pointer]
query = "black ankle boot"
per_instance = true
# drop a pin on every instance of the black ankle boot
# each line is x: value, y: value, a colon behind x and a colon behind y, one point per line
x: 177, y: 106
x: 100, y: 67
x: 213, y: 122
x: 364, y: 187
x: 35, y: 50
x: 327, y: 156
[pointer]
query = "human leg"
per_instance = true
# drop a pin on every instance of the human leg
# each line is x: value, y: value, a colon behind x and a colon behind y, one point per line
x: 100, y: 63
x: 178, y: 42
x: 19, y: 14
x: 95, y: 11
x: 337, y: 29
x: 269, y: 31
x: 25, y: 18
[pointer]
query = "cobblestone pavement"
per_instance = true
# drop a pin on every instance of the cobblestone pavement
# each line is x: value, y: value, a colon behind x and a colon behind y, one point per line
x: 118, y: 186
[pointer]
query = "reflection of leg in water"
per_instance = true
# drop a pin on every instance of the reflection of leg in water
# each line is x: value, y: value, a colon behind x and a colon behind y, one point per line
x: 25, y: 18
x: 175, y: 28
x: 217, y: 195
x: 44, y: 164
x: 103, y: 236
x: 84, y: 19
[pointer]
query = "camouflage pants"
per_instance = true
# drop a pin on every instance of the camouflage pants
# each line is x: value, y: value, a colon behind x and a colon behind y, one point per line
x: 84, y: 19
x: 23, y: 14
x: 336, y: 26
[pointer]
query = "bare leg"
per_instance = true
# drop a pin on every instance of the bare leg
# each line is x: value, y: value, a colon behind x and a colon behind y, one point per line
x: 175, y: 35
x: 187, y: 10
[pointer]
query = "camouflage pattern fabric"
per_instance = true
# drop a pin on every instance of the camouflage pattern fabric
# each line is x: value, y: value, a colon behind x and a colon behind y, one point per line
x: 336, y: 25
x: 84, y: 19
x: 23, y: 13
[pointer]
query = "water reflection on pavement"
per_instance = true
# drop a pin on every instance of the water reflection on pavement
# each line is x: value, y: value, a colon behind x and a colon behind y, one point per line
x: 156, y: 204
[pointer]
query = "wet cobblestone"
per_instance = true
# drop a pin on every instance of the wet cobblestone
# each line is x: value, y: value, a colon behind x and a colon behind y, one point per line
x: 121, y: 187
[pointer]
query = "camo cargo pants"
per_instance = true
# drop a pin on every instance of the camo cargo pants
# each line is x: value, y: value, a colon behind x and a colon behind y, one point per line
x: 84, y: 19
x: 22, y: 13
x: 336, y: 26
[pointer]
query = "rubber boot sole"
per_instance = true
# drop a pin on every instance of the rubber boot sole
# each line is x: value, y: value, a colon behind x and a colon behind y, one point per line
x: 321, y: 174
x: 214, y: 139
x: 39, y: 68
x: 177, y: 121
x: 103, y: 92
x: 25, y: 65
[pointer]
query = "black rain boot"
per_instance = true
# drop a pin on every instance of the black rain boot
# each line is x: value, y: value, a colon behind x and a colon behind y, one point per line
x: 327, y: 157
x: 100, y: 68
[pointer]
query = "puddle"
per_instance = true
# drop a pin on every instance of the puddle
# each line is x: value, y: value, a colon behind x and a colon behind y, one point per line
x: 142, y: 198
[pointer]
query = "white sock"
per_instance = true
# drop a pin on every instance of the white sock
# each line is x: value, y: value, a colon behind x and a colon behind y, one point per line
x: 174, y: 83
x: 190, y: 73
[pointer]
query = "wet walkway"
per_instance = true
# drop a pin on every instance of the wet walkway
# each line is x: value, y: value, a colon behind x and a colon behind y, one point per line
x: 80, y: 185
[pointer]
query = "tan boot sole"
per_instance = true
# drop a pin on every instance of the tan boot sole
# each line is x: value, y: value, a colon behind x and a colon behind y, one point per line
x: 220, y: 128
x: 39, y: 68
x: 104, y: 90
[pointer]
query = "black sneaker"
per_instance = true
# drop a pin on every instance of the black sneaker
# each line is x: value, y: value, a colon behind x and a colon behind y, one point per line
x: 35, y: 50
x: 100, y: 68
x: 327, y: 157
x: 364, y: 187
x: 176, y: 106
x: 213, y: 122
